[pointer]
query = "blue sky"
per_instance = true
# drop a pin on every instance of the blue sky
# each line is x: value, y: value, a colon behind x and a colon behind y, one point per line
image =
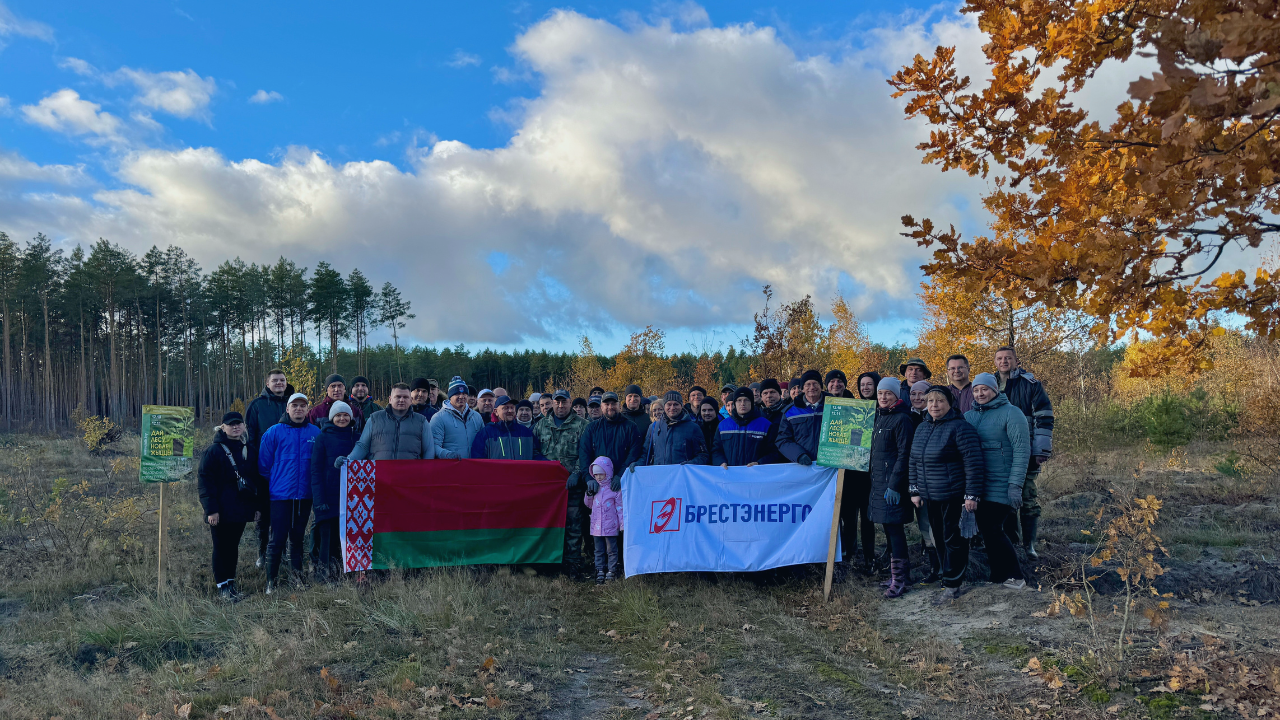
x: 525, y: 171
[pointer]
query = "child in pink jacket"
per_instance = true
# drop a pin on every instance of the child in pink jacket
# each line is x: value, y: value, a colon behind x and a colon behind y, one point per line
x: 606, y: 520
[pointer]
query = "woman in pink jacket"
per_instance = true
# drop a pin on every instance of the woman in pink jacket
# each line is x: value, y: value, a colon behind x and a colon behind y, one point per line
x: 606, y: 518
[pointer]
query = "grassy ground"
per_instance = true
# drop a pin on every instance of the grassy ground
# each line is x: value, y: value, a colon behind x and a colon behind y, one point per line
x: 83, y: 633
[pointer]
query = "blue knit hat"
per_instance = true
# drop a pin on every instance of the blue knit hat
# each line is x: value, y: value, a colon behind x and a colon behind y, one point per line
x: 987, y: 379
x: 457, y: 387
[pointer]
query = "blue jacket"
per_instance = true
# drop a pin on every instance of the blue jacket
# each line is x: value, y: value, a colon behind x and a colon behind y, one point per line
x: 617, y: 439
x: 744, y: 440
x: 506, y: 441
x: 1006, y: 446
x: 326, y: 480
x: 799, y: 429
x: 454, y: 432
x: 285, y: 459
x: 675, y: 443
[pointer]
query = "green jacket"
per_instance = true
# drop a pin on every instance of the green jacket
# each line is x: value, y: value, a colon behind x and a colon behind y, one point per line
x: 561, y: 443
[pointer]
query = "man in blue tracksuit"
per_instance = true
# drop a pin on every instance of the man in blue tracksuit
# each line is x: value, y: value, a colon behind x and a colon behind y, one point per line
x: 284, y: 458
x: 504, y: 438
x: 746, y: 437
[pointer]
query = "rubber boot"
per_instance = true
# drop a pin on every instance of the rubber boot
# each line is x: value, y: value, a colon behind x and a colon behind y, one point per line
x: 1030, y: 533
x: 899, y: 572
x: 935, y: 567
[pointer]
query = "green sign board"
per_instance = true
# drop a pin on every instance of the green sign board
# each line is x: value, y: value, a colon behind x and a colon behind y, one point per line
x: 168, y: 443
x: 845, y: 441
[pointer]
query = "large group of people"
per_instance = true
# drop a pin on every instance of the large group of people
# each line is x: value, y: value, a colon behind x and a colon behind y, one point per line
x: 959, y: 458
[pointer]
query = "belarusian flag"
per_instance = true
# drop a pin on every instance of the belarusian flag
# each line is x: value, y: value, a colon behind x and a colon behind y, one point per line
x: 428, y: 513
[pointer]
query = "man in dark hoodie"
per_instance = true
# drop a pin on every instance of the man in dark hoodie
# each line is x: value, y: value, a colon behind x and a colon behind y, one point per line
x: 634, y: 410
x: 709, y: 418
x: 772, y: 404
x: 420, y: 392
x: 362, y: 397
x: 746, y: 437
x: 611, y: 436
x: 262, y: 413
x: 675, y: 439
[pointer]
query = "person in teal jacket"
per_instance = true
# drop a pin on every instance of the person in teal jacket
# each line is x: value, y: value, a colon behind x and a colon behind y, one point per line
x: 1006, y: 448
x: 285, y: 460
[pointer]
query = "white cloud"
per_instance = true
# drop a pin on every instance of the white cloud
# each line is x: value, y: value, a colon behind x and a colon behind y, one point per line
x: 66, y: 112
x: 11, y: 24
x: 14, y: 167
x: 6, y: 108
x: 462, y: 59
x: 78, y: 66
x: 182, y: 94
x: 659, y: 177
x: 262, y: 97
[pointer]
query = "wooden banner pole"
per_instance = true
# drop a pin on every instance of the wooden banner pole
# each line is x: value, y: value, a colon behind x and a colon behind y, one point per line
x: 835, y: 535
x: 163, y: 545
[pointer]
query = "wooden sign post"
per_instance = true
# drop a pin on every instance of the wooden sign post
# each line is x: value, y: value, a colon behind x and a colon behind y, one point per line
x: 162, y: 545
x: 835, y: 536
x: 843, y: 442
x: 167, y: 455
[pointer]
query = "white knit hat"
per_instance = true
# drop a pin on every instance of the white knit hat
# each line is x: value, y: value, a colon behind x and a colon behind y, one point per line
x: 340, y: 407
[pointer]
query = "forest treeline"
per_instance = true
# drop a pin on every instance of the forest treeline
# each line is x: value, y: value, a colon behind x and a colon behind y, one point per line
x: 103, y: 331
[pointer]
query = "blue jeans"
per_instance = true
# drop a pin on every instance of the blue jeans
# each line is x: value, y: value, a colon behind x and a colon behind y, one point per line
x: 607, y: 555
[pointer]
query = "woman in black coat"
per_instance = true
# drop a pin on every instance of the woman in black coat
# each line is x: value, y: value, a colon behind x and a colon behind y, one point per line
x: 336, y: 440
x: 230, y: 493
x: 947, y: 476
x: 890, y: 454
x: 855, y: 505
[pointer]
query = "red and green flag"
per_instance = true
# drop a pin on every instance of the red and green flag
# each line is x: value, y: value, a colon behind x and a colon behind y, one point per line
x: 430, y: 513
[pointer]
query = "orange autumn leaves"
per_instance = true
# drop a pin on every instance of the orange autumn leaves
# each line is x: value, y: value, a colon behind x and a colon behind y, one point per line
x: 1131, y: 224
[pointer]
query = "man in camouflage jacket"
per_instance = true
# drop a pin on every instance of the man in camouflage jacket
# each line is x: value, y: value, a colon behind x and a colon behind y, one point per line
x: 558, y: 434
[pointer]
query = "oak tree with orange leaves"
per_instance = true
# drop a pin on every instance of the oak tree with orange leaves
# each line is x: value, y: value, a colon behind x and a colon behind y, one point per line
x: 1129, y: 223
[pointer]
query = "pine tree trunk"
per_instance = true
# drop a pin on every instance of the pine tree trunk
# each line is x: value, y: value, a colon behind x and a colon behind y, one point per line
x: 48, y: 366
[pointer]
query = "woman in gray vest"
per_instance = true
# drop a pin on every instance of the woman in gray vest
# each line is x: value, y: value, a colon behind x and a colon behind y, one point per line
x: 396, y: 433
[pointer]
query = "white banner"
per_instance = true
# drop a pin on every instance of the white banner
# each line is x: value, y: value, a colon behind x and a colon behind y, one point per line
x: 691, y: 518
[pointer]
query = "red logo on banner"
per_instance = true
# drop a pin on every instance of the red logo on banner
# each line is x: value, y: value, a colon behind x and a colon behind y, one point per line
x: 662, y: 513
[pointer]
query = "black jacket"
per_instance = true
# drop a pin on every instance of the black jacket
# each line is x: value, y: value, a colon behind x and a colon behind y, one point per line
x: 262, y: 413
x: 675, y: 442
x: 219, y: 490
x: 775, y: 413
x: 326, y: 480
x: 617, y: 439
x: 890, y: 456
x: 946, y: 459
x: 742, y: 440
x: 639, y: 418
x: 799, y: 429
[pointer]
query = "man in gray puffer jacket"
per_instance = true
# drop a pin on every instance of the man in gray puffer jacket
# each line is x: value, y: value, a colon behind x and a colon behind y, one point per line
x: 397, y: 433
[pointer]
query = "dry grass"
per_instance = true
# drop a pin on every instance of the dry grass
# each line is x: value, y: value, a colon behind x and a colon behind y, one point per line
x: 84, y: 635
